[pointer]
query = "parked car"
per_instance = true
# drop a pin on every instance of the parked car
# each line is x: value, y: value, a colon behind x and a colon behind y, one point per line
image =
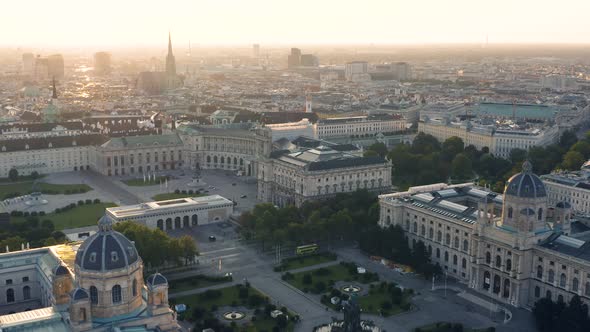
x: 212, y: 238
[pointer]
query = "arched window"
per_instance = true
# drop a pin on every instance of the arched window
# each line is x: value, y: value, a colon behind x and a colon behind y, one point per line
x: 208, y: 159
x: 587, y: 289
x: 429, y: 250
x: 407, y: 224
x: 465, y: 245
x: 464, y: 263
x: 446, y: 256
x: 116, y: 294
x: 26, y: 293
x: 455, y: 260
x: 560, y: 298
x: 498, y: 261
x: 540, y: 214
x: 456, y: 244
x: 10, y: 295
x: 422, y: 230
x: 497, y: 286
x: 575, y: 285
x: 551, y: 276
x: 537, y: 291
x: 510, y: 212
x: 548, y: 295
x: 415, y: 227
x: 508, y: 264
x: 506, y: 291
x: 438, y: 236
x: 562, y: 279
x: 93, y: 295
x: 540, y: 272
x: 486, y: 280
x: 430, y: 233
x: 448, y: 239
x: 437, y: 253
x: 134, y: 287
x: 388, y: 220
x: 488, y: 258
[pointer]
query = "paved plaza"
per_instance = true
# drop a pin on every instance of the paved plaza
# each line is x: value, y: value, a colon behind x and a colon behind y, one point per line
x: 229, y: 254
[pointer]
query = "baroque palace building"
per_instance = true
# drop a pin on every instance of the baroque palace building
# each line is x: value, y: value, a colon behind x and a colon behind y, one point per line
x: 96, y: 285
x: 513, y: 247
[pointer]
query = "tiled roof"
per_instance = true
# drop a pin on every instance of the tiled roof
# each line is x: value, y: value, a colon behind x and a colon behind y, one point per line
x: 144, y: 140
x: 54, y: 142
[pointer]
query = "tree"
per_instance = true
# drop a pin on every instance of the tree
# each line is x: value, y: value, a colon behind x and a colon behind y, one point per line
x: 451, y: 147
x: 582, y: 147
x: 517, y: 156
x: 462, y: 167
x: 13, y: 174
x: 189, y: 248
x: 573, y: 160
x: 425, y: 144
x: 378, y: 149
x: 567, y: 139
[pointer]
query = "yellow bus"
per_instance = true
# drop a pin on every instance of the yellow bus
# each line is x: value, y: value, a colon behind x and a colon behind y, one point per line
x: 307, y: 249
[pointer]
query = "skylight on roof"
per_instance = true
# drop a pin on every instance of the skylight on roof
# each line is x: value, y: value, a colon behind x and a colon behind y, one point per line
x: 452, y: 206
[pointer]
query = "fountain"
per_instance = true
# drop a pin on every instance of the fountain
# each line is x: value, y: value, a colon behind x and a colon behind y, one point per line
x: 234, y: 315
x: 352, y: 320
x: 351, y: 289
x: 36, y: 197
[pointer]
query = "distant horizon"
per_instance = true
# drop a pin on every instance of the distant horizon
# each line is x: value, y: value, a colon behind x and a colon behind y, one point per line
x: 141, y: 23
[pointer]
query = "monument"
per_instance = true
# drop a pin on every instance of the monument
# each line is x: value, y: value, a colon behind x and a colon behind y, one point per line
x: 197, y: 182
x: 36, y: 197
x: 352, y: 320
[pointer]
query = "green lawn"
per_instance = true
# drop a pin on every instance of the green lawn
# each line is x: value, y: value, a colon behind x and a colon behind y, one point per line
x: 167, y: 196
x: 304, y: 261
x: 209, y: 301
x: 379, y: 300
x: 198, y: 281
x: 139, y: 181
x: 25, y: 187
x: 448, y: 327
x: 80, y: 216
x: 323, y: 278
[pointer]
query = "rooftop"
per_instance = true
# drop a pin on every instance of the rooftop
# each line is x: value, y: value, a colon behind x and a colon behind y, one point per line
x: 146, y: 208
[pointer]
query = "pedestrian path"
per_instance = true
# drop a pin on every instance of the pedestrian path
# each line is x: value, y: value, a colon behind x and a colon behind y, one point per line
x: 479, y: 301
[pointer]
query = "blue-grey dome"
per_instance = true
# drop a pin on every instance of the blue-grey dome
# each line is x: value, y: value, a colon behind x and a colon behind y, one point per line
x: 156, y: 279
x: 61, y: 270
x: 79, y: 294
x: 106, y: 250
x: 525, y: 184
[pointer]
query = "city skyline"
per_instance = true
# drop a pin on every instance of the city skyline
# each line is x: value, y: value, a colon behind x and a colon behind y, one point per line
x: 231, y: 22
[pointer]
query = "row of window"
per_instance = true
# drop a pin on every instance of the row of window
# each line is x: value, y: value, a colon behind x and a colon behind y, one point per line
x: 9, y: 281
x: 574, y: 287
x: 116, y: 294
x: 10, y: 296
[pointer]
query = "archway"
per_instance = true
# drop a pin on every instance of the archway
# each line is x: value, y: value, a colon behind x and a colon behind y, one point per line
x: 195, y: 220
x: 486, y: 280
x: 497, y: 282
x: 168, y: 224
x: 160, y: 224
x: 177, y: 222
x: 185, y: 221
x: 506, y: 291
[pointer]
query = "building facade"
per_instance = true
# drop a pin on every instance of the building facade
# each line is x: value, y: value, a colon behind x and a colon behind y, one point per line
x: 358, y: 126
x: 514, y: 247
x: 175, y: 213
x: 500, y: 142
x: 293, y: 177
x: 572, y: 187
x: 137, y: 155
x: 237, y: 147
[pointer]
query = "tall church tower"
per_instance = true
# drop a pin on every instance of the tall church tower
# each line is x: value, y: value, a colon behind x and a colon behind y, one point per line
x: 170, y: 61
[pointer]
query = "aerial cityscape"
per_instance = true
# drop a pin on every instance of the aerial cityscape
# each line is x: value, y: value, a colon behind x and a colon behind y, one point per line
x: 249, y: 166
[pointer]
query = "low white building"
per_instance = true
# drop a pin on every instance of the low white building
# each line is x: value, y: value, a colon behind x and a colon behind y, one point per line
x: 359, y: 125
x: 571, y: 187
x: 292, y: 130
x: 175, y: 213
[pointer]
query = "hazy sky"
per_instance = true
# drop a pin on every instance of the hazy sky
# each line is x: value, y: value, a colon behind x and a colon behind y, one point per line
x: 146, y: 22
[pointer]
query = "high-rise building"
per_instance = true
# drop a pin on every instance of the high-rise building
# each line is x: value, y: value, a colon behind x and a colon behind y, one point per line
x: 41, y: 69
x: 309, y: 60
x: 256, y: 50
x: 28, y: 63
x: 402, y: 71
x: 357, y: 71
x: 294, y: 59
x: 55, y: 66
x: 102, y: 63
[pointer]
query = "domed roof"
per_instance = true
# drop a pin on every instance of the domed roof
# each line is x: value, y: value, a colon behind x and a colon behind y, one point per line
x: 525, y: 184
x: 156, y: 279
x: 79, y: 294
x: 106, y: 250
x: 61, y: 270
x: 563, y: 205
